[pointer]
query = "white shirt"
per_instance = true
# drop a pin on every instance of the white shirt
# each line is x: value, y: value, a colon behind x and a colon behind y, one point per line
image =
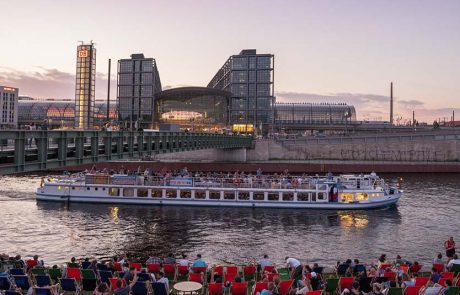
x: 453, y: 261
x: 265, y: 262
x: 184, y: 262
x: 292, y: 262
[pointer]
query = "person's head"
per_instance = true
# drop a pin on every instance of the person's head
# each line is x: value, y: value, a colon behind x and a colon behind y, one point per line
x: 265, y: 256
x: 286, y: 258
x: 238, y: 279
x: 415, y: 262
x: 451, y: 239
x: 184, y: 256
x: 17, y: 257
x: 455, y: 256
x: 356, y: 261
x: 35, y: 257
x: 398, y: 257
x: 405, y: 277
x: 73, y: 259
x: 439, y: 256
x: 161, y: 274
x: 382, y: 258
x: 355, y: 285
x: 170, y: 255
x: 348, y: 261
x: 198, y: 256
x: 434, y: 270
x: 271, y: 286
x: 315, y: 265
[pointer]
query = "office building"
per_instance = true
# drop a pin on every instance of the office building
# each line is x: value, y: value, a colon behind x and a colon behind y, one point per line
x: 249, y: 77
x: 85, y: 86
x: 137, y: 82
x: 9, y: 107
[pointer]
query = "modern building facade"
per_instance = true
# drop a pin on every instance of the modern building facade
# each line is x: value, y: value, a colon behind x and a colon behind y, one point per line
x: 137, y: 82
x: 85, y: 86
x: 59, y: 113
x: 9, y: 107
x: 250, y: 78
x: 313, y: 113
x: 193, y: 108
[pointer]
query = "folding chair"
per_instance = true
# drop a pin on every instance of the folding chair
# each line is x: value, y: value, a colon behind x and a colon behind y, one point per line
x: 105, y: 275
x: 231, y: 270
x: 415, y: 268
x: 239, y: 288
x: 159, y: 289
x: 317, y: 292
x: 88, y: 274
x: 22, y: 282
x: 249, y: 272
x: 219, y: 270
x: 170, y: 271
x: 195, y: 277
x: 55, y: 273
x: 88, y: 284
x: 182, y: 273
x: 117, y: 266
x: 229, y: 278
x: 42, y: 291
x: 390, y: 275
x: 31, y: 263
x: 199, y: 269
x: 258, y: 287
x: 136, y: 265
x: 215, y: 289
x: 455, y: 268
x: 285, y: 286
x: 271, y: 276
x: 5, y: 283
x: 102, y: 266
x: 68, y: 285
x: 421, y: 281
x: 139, y: 288
x: 331, y: 285
x: 17, y: 272
x: 42, y: 280
x: 439, y: 267
x: 455, y: 290
x: 268, y: 268
x: 395, y: 291
x: 113, y: 283
x: 365, y: 284
x: 153, y: 267
x: 284, y: 274
x: 73, y: 265
x: 38, y: 271
x: 73, y: 273
x: 412, y: 290
x: 442, y: 281
x: 447, y: 275
x: 345, y: 282
x: 12, y: 292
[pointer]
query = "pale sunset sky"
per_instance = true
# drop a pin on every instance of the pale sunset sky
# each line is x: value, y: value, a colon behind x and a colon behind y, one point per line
x: 325, y: 51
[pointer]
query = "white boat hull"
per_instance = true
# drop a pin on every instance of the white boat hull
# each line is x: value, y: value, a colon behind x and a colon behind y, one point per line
x: 387, y: 201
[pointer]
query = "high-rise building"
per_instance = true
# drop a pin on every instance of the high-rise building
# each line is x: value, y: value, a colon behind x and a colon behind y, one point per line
x: 85, y: 86
x: 138, y: 81
x: 249, y: 77
x: 9, y: 107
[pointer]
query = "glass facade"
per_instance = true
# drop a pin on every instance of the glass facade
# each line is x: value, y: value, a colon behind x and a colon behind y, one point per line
x: 313, y: 114
x: 249, y: 77
x: 193, y: 108
x: 85, y: 86
x: 59, y: 114
x: 9, y: 107
x: 138, y: 81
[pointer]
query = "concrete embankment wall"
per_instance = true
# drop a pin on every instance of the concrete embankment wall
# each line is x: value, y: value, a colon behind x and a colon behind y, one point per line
x: 421, y: 153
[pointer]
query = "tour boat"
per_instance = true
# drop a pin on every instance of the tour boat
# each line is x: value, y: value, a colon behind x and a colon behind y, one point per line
x: 267, y: 191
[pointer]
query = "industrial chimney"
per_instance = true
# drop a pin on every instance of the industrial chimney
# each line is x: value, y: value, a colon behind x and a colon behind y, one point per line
x: 391, y: 103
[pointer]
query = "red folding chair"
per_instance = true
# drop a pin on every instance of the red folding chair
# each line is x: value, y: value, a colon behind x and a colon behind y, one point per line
x: 169, y: 268
x: 415, y: 268
x: 239, y: 288
x: 153, y: 267
x: 259, y: 286
x: 113, y: 283
x: 215, y: 288
x: 219, y: 270
x: 268, y: 268
x: 31, y: 263
x: 229, y: 278
x: 182, y: 270
x: 73, y: 273
x: 199, y: 269
x: 249, y: 271
x: 447, y: 275
x: 345, y: 282
x: 384, y: 266
x: 421, y: 281
x: 136, y: 265
x: 285, y: 286
x: 270, y: 276
x: 412, y: 290
x: 390, y: 275
x: 404, y: 268
x: 442, y: 282
x: 318, y: 292
x: 439, y: 267
x: 117, y: 266
x: 195, y: 277
x: 232, y: 270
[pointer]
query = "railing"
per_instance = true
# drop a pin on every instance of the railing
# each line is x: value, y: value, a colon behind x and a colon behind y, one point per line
x: 23, y: 151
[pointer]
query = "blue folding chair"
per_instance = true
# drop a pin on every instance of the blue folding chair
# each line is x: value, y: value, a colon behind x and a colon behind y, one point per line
x: 42, y: 291
x: 22, y: 282
x: 5, y: 283
x: 101, y: 266
x: 159, y: 289
x: 12, y: 292
x: 69, y: 285
x: 17, y: 272
x: 105, y: 276
x: 139, y: 288
x: 42, y: 280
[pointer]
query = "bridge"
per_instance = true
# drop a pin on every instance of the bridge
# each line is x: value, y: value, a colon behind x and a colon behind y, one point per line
x: 24, y: 151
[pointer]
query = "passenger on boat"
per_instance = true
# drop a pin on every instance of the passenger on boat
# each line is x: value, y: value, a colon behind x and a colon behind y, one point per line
x: 438, y: 259
x: 199, y: 262
x: 435, y: 275
x: 170, y: 259
x: 382, y: 260
x: 184, y: 261
x: 129, y: 275
x: 160, y: 278
x: 154, y: 259
x: 125, y: 290
x: 305, y: 286
x: 355, y: 290
x: 453, y: 261
x: 102, y: 289
x: 295, y: 268
x: 449, y: 245
x: 265, y: 262
x: 408, y: 281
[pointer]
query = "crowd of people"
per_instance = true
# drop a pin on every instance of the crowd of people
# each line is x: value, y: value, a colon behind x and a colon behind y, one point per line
x: 376, y: 278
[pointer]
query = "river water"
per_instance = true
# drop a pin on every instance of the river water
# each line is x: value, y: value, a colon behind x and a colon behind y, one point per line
x: 428, y: 213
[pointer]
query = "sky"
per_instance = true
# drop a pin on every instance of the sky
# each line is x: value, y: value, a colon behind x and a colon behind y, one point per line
x: 325, y: 51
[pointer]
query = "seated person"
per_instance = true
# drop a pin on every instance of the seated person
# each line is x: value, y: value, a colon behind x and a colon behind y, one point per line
x: 199, y: 262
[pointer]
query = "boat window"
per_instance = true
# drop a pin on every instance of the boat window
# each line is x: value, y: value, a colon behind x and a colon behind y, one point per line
x: 60, y: 187
x: 171, y: 194
x: 114, y: 192
x: 185, y: 194
x: 200, y: 194
x: 229, y: 195
x: 244, y: 196
x: 258, y: 196
x: 273, y: 196
x: 103, y: 188
x: 128, y: 192
x: 287, y: 196
x: 362, y: 196
x: 157, y: 193
x: 73, y: 187
x: 302, y: 197
x: 321, y: 196
x: 214, y: 195
x: 142, y: 192
x: 346, y: 197
x: 313, y: 197
x: 88, y: 188
x: 95, y: 188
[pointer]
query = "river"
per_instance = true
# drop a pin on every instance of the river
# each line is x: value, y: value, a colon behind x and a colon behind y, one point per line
x: 428, y: 213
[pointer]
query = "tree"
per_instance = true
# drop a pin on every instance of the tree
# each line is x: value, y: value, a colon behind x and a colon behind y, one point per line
x: 435, y: 125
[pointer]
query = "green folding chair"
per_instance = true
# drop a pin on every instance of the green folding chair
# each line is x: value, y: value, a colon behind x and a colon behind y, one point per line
x: 455, y: 268
x: 453, y: 290
x: 331, y: 285
x: 38, y: 271
x: 284, y: 274
x: 395, y: 291
x: 74, y: 265
x: 87, y: 274
x: 55, y: 273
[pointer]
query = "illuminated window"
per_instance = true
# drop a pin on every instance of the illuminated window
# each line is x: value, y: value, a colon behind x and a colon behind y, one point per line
x: 185, y: 194
x: 288, y: 196
x: 303, y: 197
x: 114, y: 192
x: 346, y: 197
x: 362, y: 197
x: 59, y: 187
x: 214, y: 195
x: 229, y: 195
x: 157, y: 194
x: 142, y: 192
x: 171, y: 194
x: 200, y: 194
x: 273, y: 196
x: 244, y: 196
x: 258, y: 196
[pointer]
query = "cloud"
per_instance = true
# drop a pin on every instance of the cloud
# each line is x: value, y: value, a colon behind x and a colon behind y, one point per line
x: 51, y: 83
x: 409, y: 103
